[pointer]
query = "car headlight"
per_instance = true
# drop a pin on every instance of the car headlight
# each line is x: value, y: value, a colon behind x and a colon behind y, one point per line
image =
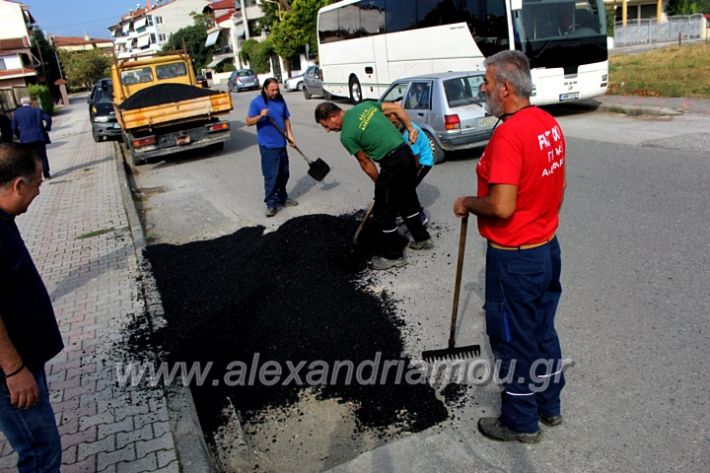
x: 102, y: 119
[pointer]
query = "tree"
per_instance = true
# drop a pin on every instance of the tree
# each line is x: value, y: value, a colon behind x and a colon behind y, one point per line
x: 193, y: 37
x: 83, y: 68
x: 257, y: 54
x: 297, y: 28
x: 49, y: 71
x: 681, y: 7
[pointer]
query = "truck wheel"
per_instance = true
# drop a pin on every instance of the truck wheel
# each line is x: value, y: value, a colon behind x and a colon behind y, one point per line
x: 439, y: 154
x: 355, y: 90
x: 306, y: 93
x: 137, y: 160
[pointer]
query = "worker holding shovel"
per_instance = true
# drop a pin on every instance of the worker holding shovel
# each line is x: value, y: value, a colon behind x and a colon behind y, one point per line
x: 521, y: 183
x: 268, y: 111
x: 368, y: 134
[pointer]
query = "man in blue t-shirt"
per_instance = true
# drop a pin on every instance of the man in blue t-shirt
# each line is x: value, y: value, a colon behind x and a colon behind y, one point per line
x: 267, y: 111
x: 421, y: 149
x: 29, y: 335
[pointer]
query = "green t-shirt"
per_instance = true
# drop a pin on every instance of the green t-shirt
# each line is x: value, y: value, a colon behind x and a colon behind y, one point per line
x: 366, y: 128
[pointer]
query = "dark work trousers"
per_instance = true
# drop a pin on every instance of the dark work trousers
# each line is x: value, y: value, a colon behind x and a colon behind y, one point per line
x: 422, y: 171
x: 274, y: 167
x: 522, y: 292
x: 395, y: 194
x: 40, y: 148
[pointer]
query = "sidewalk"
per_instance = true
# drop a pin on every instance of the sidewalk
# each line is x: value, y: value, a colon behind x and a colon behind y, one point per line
x: 654, y: 105
x: 79, y: 235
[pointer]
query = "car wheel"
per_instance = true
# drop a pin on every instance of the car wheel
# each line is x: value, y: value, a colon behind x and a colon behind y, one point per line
x: 439, y: 154
x: 355, y: 91
x: 299, y: 86
x: 306, y: 93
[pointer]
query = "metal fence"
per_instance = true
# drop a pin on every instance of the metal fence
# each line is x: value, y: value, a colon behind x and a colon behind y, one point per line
x: 647, y: 31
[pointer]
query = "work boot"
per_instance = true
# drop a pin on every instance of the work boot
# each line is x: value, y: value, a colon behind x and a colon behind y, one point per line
x: 551, y: 421
x: 421, y: 245
x: 270, y: 211
x: 289, y: 203
x: 380, y: 263
x: 492, y: 428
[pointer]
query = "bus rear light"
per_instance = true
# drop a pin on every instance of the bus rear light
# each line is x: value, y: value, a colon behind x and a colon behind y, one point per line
x: 452, y: 122
x: 219, y: 126
x: 141, y: 142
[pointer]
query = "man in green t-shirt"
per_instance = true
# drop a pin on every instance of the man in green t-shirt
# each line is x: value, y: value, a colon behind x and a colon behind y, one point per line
x: 367, y: 133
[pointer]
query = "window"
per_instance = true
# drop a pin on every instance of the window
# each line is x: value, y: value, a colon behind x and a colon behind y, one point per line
x: 463, y: 90
x: 152, y: 38
x: 419, y: 96
x: 396, y: 93
x: 328, y: 27
x: 137, y: 76
x: 158, y: 20
x: 161, y: 37
x: 372, y: 17
x: 168, y: 71
x: 3, y: 67
x: 401, y: 15
x: 349, y: 22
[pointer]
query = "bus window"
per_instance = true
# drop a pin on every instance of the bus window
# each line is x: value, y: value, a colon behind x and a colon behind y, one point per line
x: 401, y: 15
x: 437, y: 12
x: 488, y: 22
x: 349, y: 22
x: 328, y: 27
x: 372, y: 17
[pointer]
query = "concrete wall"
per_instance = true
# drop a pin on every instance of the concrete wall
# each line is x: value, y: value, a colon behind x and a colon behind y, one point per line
x: 12, y: 20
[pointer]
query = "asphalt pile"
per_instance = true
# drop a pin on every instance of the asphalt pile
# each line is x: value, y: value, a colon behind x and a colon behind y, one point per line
x: 164, y: 93
x: 294, y: 295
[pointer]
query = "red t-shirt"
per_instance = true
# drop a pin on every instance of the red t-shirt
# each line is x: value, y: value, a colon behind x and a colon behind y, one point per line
x: 527, y: 150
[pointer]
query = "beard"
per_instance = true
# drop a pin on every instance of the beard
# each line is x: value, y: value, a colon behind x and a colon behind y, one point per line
x: 494, y: 105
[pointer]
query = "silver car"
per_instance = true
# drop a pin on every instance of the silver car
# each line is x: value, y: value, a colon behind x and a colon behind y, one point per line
x: 294, y: 83
x: 242, y: 79
x: 449, y: 107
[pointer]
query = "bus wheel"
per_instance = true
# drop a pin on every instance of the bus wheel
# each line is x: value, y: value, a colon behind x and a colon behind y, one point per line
x: 355, y: 90
x: 439, y: 155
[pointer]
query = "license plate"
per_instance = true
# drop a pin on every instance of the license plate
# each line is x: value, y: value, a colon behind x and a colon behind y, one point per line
x: 569, y: 96
x: 487, y: 122
x: 183, y: 140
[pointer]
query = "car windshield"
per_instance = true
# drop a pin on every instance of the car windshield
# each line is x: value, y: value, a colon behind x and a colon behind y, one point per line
x: 245, y: 73
x: 462, y: 91
x: 104, y: 94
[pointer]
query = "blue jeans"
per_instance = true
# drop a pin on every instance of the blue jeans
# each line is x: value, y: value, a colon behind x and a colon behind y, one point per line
x: 32, y: 432
x: 522, y: 292
x: 274, y: 167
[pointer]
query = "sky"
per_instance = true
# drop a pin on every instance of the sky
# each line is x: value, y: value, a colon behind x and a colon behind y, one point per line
x: 75, y: 17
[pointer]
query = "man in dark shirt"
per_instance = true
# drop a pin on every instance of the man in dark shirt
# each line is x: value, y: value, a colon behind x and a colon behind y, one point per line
x: 32, y: 126
x: 29, y: 335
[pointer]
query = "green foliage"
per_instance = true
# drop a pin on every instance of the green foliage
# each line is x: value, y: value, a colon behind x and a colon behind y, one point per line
x: 257, y: 54
x: 193, y: 38
x: 296, y: 28
x: 83, y: 68
x: 225, y: 67
x: 42, y: 93
x: 681, y: 7
x: 45, y: 52
x: 610, y: 19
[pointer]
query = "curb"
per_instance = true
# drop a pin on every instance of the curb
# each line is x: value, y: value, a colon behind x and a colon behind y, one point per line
x: 192, y: 452
x: 638, y: 109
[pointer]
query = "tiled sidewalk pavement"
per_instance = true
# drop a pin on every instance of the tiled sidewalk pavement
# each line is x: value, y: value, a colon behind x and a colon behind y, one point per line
x: 92, y: 282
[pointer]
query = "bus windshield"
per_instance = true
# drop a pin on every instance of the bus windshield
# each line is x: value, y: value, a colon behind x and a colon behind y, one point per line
x: 548, y: 30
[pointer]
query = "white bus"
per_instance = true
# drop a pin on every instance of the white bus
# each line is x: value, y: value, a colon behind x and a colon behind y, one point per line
x: 364, y: 45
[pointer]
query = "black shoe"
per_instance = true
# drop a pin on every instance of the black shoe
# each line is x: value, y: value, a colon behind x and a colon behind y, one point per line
x: 493, y: 429
x: 551, y: 421
x: 270, y: 211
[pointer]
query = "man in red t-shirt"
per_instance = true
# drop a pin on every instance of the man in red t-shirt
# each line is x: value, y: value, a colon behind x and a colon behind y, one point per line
x: 521, y: 182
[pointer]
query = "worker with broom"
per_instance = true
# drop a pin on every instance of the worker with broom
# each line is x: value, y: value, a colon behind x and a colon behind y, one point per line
x: 368, y: 134
x: 521, y: 183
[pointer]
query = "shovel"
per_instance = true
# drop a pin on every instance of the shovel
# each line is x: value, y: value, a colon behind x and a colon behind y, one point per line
x: 364, y: 221
x: 317, y: 169
x: 452, y: 353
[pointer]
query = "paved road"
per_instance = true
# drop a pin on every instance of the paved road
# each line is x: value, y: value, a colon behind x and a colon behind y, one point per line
x: 633, y: 315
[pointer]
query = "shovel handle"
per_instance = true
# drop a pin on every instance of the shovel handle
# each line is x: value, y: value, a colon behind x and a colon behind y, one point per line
x: 364, y: 220
x: 457, y: 283
x: 283, y: 133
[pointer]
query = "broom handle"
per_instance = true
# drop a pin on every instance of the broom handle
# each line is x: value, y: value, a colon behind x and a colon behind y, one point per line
x: 457, y: 284
x: 283, y: 133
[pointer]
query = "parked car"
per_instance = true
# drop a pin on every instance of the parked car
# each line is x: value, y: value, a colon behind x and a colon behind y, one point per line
x: 242, y: 79
x: 294, y: 83
x: 313, y: 83
x: 449, y: 107
x: 104, y: 125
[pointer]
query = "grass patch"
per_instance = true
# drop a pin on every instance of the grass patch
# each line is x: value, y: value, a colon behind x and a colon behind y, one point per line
x: 94, y: 233
x: 674, y: 71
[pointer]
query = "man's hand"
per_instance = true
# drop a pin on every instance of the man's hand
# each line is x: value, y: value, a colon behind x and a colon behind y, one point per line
x: 291, y: 141
x: 460, y: 207
x: 23, y: 389
x: 264, y: 112
x: 413, y: 134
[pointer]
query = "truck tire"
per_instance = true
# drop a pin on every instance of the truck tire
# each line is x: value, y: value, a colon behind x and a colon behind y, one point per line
x: 439, y: 154
x: 137, y: 160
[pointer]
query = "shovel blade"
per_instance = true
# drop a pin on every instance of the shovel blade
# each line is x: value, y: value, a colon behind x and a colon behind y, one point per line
x: 318, y: 169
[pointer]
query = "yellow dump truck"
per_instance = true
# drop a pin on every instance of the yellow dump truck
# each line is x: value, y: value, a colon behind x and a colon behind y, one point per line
x: 162, y: 109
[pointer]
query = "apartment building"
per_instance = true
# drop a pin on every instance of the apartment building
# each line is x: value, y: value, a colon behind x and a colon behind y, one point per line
x: 234, y: 22
x: 17, y: 63
x: 145, y: 30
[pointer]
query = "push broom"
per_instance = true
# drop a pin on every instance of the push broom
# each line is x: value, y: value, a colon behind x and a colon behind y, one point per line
x: 453, y: 352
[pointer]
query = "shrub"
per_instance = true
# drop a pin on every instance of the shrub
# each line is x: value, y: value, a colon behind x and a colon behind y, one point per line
x: 42, y: 93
